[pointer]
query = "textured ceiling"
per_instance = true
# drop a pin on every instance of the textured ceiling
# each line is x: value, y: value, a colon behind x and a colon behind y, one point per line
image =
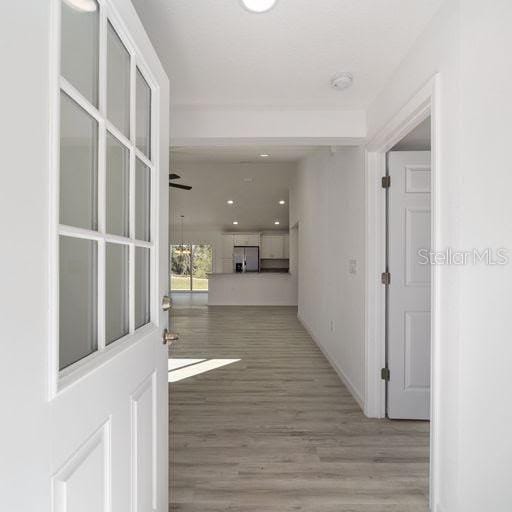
x: 218, y: 54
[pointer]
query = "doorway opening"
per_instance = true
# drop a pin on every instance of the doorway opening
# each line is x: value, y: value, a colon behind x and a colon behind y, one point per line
x: 423, y: 105
x: 408, y: 227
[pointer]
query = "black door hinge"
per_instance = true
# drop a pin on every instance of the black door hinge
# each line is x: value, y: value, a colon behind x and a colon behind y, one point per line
x: 386, y: 181
x: 385, y: 278
x: 385, y: 374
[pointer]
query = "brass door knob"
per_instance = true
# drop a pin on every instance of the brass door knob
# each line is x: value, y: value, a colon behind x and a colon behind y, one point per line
x: 169, y: 337
x: 166, y: 303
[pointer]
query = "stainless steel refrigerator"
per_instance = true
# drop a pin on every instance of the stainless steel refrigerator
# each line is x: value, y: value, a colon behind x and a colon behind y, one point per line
x: 246, y: 259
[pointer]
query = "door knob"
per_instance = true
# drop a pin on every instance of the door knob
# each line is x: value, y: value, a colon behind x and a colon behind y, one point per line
x: 169, y: 337
x: 166, y: 303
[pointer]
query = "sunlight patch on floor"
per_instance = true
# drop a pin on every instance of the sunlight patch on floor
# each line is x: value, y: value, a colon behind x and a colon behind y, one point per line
x: 176, y: 363
x: 184, y: 372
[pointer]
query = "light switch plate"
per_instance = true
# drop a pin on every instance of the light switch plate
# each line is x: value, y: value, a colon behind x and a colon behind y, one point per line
x: 352, y: 266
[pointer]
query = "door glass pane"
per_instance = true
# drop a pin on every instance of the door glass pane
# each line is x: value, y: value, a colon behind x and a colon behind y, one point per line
x: 80, y: 46
x: 142, y: 201
x: 116, y: 292
x: 180, y: 267
x: 78, y: 166
x: 117, y: 187
x: 142, y: 312
x: 78, y: 282
x: 201, y: 266
x: 143, y: 115
x: 118, y: 82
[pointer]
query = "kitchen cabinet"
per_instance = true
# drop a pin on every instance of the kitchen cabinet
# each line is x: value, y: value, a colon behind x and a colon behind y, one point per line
x: 286, y: 247
x: 227, y: 245
x: 227, y: 265
x: 241, y: 240
x: 272, y: 247
x: 254, y: 239
x: 248, y: 239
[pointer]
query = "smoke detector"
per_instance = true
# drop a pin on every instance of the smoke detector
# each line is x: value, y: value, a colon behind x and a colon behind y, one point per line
x: 342, y: 81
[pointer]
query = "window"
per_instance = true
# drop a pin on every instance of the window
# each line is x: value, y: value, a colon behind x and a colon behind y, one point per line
x: 190, y: 266
x: 105, y: 182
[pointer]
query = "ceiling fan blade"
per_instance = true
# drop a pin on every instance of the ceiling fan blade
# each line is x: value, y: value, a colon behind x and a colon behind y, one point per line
x: 176, y: 185
x: 173, y: 176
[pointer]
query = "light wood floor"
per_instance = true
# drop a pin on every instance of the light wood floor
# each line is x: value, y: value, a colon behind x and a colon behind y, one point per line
x: 278, y: 431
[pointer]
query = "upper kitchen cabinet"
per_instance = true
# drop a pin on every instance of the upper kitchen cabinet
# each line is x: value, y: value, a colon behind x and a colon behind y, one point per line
x: 247, y: 239
x: 227, y: 245
x: 274, y: 247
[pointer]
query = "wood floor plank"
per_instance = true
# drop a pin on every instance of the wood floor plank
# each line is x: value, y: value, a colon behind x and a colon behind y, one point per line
x: 278, y: 431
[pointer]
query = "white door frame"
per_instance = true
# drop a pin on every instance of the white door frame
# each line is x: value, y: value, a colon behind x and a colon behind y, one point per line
x: 423, y: 104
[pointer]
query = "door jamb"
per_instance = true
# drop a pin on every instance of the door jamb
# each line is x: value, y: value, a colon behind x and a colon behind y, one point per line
x: 424, y: 103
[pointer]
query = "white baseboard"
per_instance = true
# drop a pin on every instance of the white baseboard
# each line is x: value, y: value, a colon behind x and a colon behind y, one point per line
x: 341, y: 374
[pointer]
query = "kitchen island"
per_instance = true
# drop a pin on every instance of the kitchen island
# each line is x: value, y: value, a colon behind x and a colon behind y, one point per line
x: 252, y: 289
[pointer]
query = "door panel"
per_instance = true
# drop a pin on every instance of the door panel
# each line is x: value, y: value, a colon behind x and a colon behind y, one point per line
x: 409, y: 291
x: 109, y: 402
x: 143, y: 408
x: 79, y: 486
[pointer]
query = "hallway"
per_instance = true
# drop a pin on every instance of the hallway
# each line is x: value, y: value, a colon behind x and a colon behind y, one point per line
x: 277, y: 431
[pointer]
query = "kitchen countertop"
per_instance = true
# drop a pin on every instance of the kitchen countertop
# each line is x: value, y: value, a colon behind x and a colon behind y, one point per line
x: 238, y: 274
x: 252, y: 289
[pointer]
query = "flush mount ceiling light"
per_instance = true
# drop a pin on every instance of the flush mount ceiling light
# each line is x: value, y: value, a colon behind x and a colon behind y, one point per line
x: 282, y: 201
x: 342, y: 81
x: 248, y: 180
x: 264, y: 155
x: 258, y: 6
x: 230, y: 201
x: 276, y: 222
x: 235, y: 223
x: 82, y: 5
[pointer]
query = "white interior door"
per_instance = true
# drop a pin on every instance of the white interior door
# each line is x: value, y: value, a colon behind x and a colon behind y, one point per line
x: 408, y: 390
x: 92, y: 404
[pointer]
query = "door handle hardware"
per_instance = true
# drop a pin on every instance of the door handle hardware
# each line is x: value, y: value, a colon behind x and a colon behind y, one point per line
x: 169, y: 337
x: 166, y: 303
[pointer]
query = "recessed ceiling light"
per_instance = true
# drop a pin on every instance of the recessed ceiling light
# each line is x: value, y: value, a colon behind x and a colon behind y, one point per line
x: 230, y: 201
x: 342, y: 81
x: 235, y: 223
x: 264, y: 155
x: 282, y: 201
x: 248, y: 180
x: 276, y: 222
x: 258, y: 6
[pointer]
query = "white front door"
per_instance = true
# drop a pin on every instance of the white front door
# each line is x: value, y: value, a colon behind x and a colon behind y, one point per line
x: 408, y: 332
x: 90, y: 394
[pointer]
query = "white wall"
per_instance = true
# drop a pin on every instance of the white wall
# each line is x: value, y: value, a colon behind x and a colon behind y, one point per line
x: 484, y: 171
x: 213, y: 126
x: 468, y: 43
x: 328, y: 203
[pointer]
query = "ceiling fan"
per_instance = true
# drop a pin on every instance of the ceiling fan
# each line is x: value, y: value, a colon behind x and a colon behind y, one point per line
x: 172, y: 177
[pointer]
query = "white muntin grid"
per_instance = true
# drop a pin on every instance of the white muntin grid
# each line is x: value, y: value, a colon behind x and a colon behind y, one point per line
x: 60, y: 85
